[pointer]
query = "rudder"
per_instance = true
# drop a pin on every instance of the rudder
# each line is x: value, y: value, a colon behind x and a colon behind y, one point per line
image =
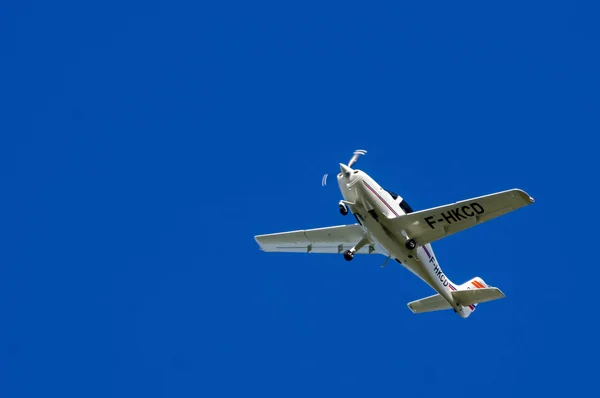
x: 474, y: 283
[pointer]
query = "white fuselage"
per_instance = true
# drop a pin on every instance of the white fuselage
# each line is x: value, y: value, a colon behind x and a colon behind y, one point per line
x: 374, y: 207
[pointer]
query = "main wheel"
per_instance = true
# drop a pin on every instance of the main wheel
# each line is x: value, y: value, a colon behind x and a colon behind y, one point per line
x: 348, y: 255
x: 343, y: 210
x: 411, y: 244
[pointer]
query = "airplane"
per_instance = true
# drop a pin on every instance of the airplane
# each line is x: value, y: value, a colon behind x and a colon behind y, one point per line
x: 387, y: 225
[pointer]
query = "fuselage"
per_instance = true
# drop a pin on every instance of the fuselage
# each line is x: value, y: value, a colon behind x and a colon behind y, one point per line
x: 374, y: 208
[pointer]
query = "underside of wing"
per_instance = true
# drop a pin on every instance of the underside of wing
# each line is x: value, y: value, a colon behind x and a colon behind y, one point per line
x: 429, y: 225
x: 319, y: 240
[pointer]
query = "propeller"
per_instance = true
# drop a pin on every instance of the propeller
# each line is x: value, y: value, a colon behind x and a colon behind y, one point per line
x: 355, y: 156
x: 357, y: 153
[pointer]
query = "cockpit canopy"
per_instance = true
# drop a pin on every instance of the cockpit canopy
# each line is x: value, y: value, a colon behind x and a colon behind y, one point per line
x: 406, y: 207
x: 394, y: 195
x: 403, y: 205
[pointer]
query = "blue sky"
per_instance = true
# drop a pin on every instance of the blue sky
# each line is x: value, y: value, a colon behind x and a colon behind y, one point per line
x: 144, y: 144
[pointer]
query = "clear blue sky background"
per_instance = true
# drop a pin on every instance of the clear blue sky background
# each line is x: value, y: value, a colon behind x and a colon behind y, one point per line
x: 144, y: 144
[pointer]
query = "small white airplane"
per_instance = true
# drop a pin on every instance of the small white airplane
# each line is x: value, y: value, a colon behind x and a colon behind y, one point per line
x: 387, y: 225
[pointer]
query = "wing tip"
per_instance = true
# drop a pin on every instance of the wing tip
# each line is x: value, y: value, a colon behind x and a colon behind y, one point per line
x: 524, y: 195
x: 257, y: 240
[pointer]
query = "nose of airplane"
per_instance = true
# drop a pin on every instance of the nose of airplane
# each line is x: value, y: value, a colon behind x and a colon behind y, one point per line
x: 345, y: 169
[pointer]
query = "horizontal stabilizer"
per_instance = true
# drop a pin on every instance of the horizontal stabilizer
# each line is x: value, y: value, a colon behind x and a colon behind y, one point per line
x: 476, y: 296
x: 428, y: 304
x: 464, y: 297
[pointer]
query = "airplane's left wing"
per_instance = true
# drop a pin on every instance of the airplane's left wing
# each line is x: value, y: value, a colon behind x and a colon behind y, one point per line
x: 429, y: 225
x: 319, y: 240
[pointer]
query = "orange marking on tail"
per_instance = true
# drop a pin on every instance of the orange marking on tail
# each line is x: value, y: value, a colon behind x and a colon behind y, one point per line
x: 478, y: 284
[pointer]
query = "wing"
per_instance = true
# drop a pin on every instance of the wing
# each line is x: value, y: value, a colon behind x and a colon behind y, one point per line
x: 320, y: 240
x: 429, y: 225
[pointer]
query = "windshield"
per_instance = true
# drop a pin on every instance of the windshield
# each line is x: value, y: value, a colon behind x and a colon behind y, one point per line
x: 394, y: 195
x: 403, y: 205
x: 406, y: 207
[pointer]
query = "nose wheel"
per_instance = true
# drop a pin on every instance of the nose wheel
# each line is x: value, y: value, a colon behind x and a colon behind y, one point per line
x: 343, y: 209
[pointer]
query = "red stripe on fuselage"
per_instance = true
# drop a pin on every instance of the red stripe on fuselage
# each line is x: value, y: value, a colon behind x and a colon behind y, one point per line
x: 426, y: 251
x: 380, y: 198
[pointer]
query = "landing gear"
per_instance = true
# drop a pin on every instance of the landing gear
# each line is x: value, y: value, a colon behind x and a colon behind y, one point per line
x: 343, y: 209
x: 348, y: 255
x: 410, y: 243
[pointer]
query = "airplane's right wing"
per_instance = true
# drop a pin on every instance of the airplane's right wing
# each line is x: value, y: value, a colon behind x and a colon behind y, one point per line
x: 429, y: 225
x: 334, y: 239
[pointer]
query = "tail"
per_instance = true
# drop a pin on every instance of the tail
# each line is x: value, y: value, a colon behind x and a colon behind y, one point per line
x: 469, y: 295
x: 472, y: 300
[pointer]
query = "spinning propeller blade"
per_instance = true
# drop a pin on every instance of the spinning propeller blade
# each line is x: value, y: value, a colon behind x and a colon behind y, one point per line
x: 357, y: 153
x: 352, y: 161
